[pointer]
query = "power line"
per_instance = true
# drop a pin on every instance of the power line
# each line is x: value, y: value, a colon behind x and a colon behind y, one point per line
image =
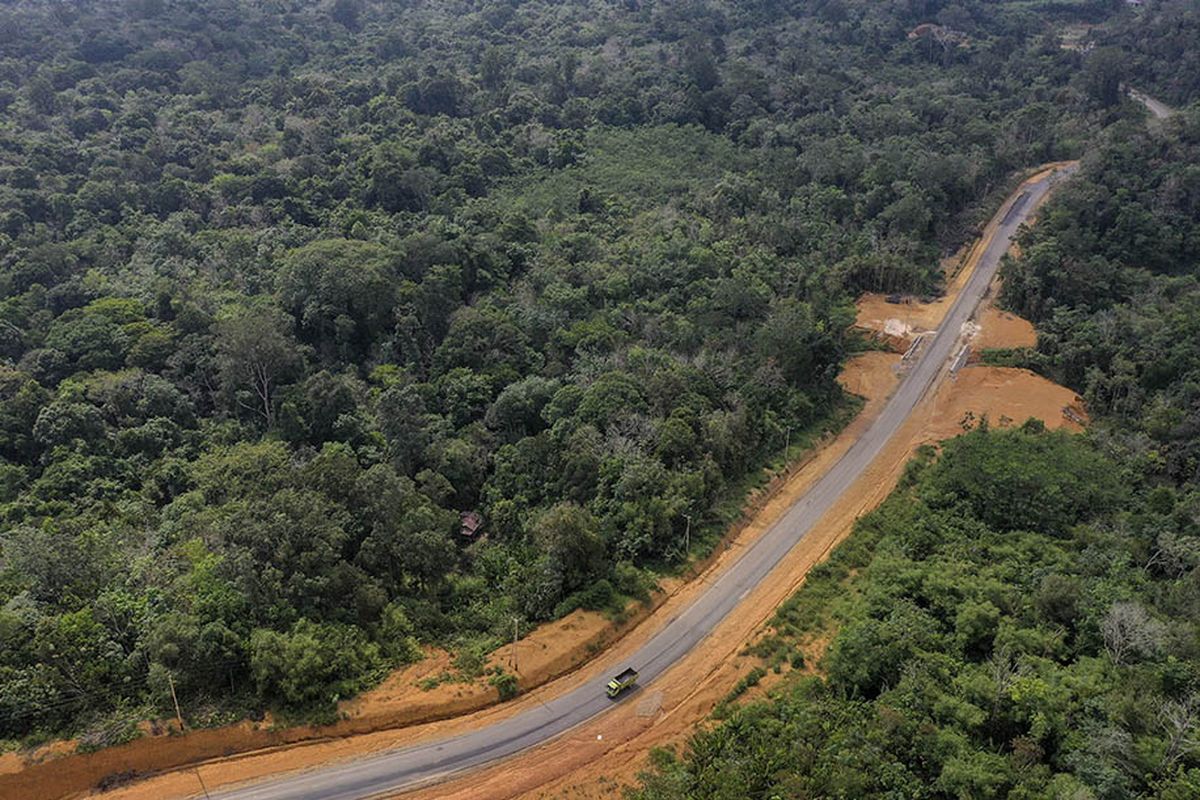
x: 81, y: 697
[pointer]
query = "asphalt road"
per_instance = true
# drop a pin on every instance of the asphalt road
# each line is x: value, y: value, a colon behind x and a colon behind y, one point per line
x: 427, y: 763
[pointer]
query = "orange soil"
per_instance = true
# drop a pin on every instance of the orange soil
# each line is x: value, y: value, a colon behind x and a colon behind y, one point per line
x: 871, y: 374
x: 1000, y: 329
x: 545, y: 653
x: 897, y: 323
x: 681, y: 698
x: 1005, y: 396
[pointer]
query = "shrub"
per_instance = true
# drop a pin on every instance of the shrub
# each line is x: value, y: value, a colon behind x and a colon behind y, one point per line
x: 313, y: 664
x: 506, y: 685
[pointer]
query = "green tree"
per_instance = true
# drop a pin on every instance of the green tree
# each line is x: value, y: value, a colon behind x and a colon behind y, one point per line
x: 340, y: 292
x: 254, y: 355
x: 312, y: 665
x: 1010, y: 484
x: 571, y: 537
x: 1102, y: 74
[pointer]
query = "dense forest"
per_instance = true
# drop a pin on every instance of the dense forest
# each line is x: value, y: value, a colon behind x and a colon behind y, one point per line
x: 1156, y: 45
x: 287, y: 287
x: 1111, y: 276
x: 1022, y: 617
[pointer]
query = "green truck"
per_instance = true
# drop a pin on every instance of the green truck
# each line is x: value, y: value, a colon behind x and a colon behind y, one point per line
x: 622, y: 682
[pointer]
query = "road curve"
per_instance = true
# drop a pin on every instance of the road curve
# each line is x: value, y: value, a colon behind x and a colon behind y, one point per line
x: 430, y: 762
x: 1157, y: 109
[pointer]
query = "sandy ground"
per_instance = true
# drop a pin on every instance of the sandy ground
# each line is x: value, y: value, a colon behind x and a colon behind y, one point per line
x: 598, y: 757
x: 1007, y: 397
x: 999, y: 329
x: 896, y: 324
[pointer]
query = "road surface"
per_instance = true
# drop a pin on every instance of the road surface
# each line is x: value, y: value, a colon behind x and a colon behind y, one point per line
x: 1159, y: 110
x: 427, y: 763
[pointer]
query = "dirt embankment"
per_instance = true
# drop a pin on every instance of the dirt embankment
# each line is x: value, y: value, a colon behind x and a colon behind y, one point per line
x: 421, y: 693
x: 1000, y: 329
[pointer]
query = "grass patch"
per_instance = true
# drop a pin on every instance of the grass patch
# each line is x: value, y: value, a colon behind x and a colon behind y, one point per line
x: 1020, y: 357
x: 645, y: 167
x: 505, y: 684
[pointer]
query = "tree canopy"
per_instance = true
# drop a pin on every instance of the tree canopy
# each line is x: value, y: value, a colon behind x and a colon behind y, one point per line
x: 971, y: 657
x: 287, y: 288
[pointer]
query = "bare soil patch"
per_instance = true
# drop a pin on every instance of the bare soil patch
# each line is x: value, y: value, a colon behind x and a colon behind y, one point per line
x: 1003, y: 395
x: 1001, y: 329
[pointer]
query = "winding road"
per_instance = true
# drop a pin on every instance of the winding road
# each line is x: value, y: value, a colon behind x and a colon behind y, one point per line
x: 430, y: 762
x: 1157, y: 109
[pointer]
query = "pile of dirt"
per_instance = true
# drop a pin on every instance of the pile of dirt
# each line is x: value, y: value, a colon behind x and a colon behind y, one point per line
x: 1005, y: 396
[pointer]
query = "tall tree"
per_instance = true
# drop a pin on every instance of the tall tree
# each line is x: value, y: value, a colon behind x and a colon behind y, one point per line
x: 254, y: 354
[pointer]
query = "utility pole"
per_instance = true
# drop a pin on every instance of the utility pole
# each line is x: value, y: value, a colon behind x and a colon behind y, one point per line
x: 787, y: 445
x: 687, y: 535
x: 516, y: 624
x: 202, y: 786
x: 175, y: 700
